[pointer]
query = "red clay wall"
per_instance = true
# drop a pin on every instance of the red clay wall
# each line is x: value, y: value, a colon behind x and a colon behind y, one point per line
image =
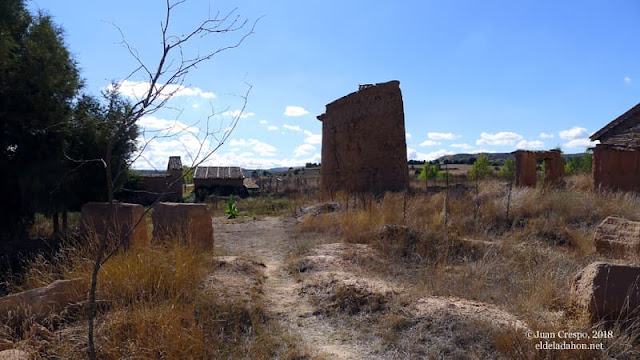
x: 168, y: 188
x: 616, y: 168
x: 93, y: 219
x: 526, y: 164
x: 363, y: 141
x: 189, y: 222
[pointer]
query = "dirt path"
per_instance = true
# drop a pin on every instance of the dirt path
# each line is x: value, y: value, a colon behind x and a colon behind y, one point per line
x: 267, y: 240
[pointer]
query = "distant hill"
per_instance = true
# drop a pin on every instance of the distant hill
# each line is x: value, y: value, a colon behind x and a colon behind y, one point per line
x: 493, y: 157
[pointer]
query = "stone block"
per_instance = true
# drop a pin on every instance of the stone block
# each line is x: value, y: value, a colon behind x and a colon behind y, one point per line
x: 42, y: 301
x: 607, y: 291
x: 128, y: 225
x: 190, y: 222
x: 617, y: 237
x: 14, y: 354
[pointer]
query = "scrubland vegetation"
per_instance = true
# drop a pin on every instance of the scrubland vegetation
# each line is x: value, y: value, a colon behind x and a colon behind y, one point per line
x: 155, y: 301
x: 523, y: 263
x: 163, y: 300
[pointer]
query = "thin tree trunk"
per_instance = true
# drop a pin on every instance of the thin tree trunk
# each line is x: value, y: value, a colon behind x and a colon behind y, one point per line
x: 65, y: 224
x: 56, y: 224
x: 100, y: 254
x: 509, y: 200
x: 446, y: 195
x: 404, y: 208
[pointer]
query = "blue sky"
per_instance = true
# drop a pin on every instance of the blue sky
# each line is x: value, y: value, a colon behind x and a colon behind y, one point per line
x: 489, y: 76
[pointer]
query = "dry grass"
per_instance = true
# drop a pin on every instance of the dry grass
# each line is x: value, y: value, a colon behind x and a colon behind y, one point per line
x: 153, y: 304
x: 523, y: 263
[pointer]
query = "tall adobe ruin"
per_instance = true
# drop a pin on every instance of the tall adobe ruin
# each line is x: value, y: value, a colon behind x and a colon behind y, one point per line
x: 363, y: 141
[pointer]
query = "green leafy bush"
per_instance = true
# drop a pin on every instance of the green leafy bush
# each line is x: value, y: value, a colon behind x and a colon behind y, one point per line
x: 231, y: 210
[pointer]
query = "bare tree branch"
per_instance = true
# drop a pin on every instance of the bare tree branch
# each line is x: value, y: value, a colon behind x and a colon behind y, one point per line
x: 165, y: 79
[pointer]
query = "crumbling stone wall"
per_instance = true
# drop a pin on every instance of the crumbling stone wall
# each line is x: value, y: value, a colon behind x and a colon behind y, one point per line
x: 190, y: 223
x: 93, y: 219
x: 526, y: 166
x: 363, y: 141
x: 616, y: 168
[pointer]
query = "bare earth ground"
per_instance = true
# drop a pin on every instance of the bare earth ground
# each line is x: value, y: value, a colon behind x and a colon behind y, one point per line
x: 330, y: 298
x: 267, y: 240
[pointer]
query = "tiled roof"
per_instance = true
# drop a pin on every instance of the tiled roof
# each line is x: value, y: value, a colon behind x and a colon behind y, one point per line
x: 218, y: 172
x: 617, y: 121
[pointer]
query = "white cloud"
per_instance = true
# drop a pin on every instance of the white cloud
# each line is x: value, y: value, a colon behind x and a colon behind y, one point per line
x: 441, y: 136
x: 312, y: 138
x: 292, y: 127
x: 238, y: 113
x: 139, y: 89
x: 295, y: 111
x: 408, y: 135
x: 577, y: 137
x: 461, y: 146
x: 429, y: 143
x: 579, y: 143
x: 481, y: 151
x: 627, y: 80
x: 500, y: 138
x: 272, y: 128
x: 544, y: 135
x: 412, y: 154
x: 262, y: 148
x: 575, y: 132
x: 152, y: 126
x: 263, y: 122
x: 158, y: 151
x: 304, y: 149
x: 533, y: 144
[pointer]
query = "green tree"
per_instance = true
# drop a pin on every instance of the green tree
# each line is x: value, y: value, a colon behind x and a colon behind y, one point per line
x: 580, y: 164
x: 508, y: 170
x: 92, y: 121
x: 38, y: 82
x: 480, y: 168
x: 479, y: 171
x: 429, y: 172
x: 187, y: 174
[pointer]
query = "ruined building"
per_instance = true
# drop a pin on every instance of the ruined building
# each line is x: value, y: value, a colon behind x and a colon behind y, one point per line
x: 220, y: 180
x: 527, y: 165
x: 363, y: 141
x: 156, y: 185
x: 616, y: 160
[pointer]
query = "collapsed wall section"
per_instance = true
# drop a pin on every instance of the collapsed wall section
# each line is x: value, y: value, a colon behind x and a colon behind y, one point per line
x: 363, y: 141
x: 527, y: 163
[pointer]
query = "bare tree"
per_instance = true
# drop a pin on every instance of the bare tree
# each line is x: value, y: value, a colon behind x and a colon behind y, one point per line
x: 165, y: 78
